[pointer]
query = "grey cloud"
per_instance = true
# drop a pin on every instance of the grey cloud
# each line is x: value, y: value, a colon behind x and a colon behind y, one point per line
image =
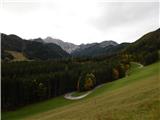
x: 116, y: 14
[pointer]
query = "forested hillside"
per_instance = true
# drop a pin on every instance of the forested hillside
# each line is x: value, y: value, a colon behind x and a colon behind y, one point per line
x: 32, y: 81
x: 30, y: 49
x: 94, y: 49
x: 145, y: 49
x: 147, y: 46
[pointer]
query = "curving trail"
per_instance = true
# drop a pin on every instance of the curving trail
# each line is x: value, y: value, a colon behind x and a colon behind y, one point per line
x: 140, y: 65
x: 70, y: 97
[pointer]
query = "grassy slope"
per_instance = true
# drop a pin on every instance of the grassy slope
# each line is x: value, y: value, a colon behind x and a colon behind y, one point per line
x: 135, y: 66
x: 133, y: 97
x: 18, y: 56
x: 36, y: 108
x: 75, y: 94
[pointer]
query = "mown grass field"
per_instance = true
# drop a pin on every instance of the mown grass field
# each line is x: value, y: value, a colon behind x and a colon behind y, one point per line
x: 135, y: 97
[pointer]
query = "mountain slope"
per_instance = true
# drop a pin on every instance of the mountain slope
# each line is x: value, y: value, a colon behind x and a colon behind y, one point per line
x: 147, y: 47
x: 148, y: 42
x: 31, y: 49
x: 17, y: 56
x: 68, y: 47
x: 94, y: 49
x: 133, y: 97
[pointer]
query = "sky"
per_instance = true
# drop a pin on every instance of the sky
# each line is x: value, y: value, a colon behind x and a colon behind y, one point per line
x: 79, y: 21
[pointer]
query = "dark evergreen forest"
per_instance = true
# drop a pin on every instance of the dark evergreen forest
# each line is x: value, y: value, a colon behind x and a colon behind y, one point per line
x: 28, y: 82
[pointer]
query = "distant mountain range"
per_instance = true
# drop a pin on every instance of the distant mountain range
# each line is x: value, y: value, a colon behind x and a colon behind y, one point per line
x: 107, y: 47
x: 83, y: 49
x: 93, y: 49
x: 50, y: 48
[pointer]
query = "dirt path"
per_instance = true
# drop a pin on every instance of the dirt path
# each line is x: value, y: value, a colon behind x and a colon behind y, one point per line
x: 70, y: 97
x: 140, y: 65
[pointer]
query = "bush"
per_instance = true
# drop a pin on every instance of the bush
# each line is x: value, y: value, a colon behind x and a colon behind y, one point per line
x: 86, y: 82
x: 115, y: 73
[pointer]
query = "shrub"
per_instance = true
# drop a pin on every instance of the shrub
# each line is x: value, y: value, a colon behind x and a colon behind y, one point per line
x: 115, y: 73
x: 86, y: 82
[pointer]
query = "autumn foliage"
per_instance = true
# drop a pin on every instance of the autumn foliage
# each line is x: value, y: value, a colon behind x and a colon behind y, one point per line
x: 86, y: 82
x: 115, y: 73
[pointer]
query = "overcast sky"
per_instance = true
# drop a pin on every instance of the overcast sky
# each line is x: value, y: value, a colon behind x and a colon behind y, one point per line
x: 80, y: 21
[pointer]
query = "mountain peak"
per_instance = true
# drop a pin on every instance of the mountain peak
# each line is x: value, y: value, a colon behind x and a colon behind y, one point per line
x: 68, y: 47
x: 38, y: 40
x: 107, y: 43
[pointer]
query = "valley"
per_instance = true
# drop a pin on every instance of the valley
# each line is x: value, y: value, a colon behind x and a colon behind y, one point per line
x: 127, y: 98
x: 36, y: 75
x: 80, y: 60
